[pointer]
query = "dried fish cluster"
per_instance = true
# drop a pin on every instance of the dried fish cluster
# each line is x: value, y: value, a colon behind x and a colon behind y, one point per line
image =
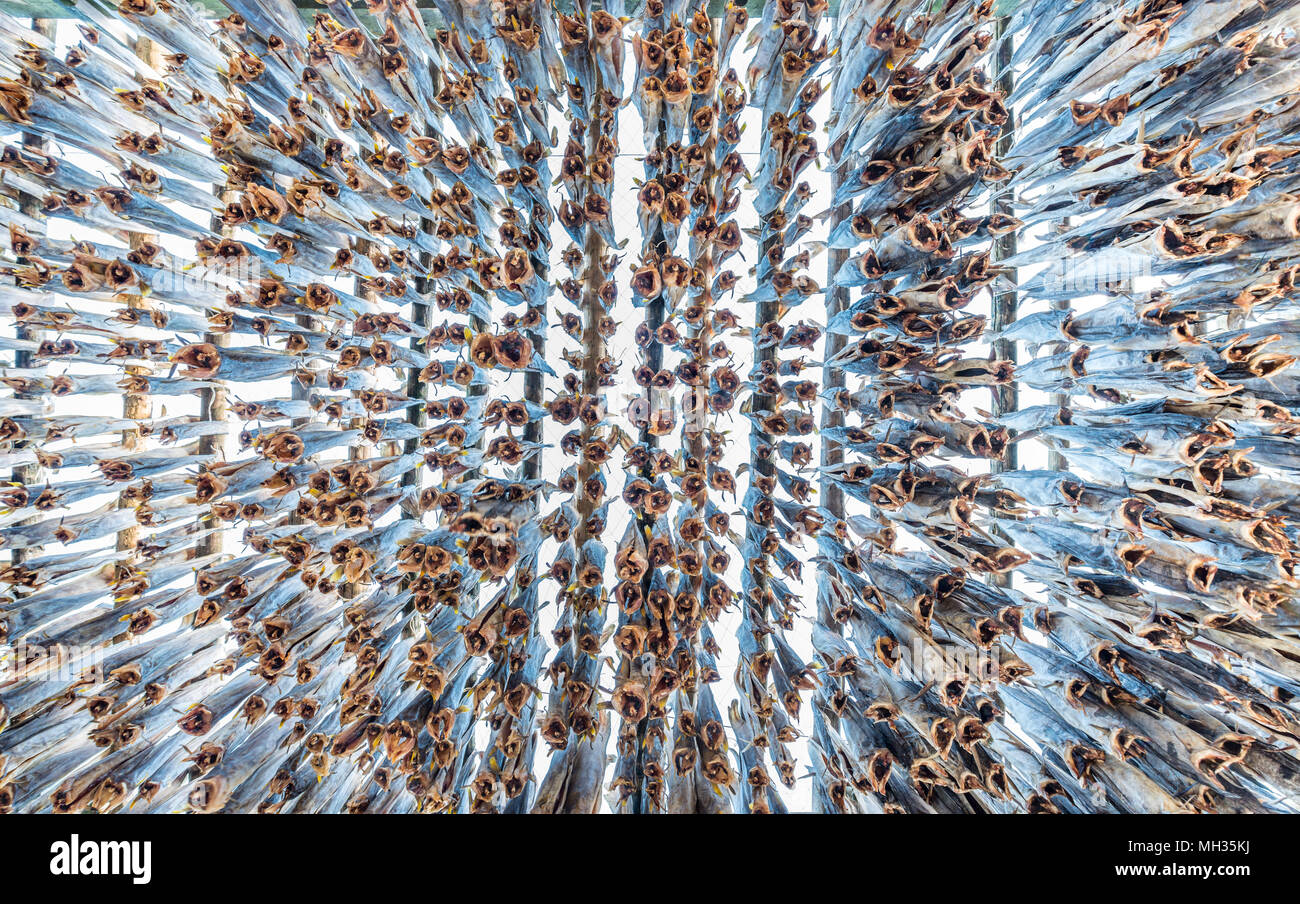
x: 519, y: 354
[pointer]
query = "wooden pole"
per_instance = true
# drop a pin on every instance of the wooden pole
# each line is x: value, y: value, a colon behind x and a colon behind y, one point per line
x: 837, y: 300
x: 1006, y: 397
x: 30, y: 474
x: 593, y: 349
x: 415, y: 387
x: 1056, y: 459
x: 136, y: 405
x: 214, y: 405
x: 654, y: 360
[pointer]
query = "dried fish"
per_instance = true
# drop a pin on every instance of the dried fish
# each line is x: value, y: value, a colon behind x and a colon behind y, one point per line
x: 441, y: 476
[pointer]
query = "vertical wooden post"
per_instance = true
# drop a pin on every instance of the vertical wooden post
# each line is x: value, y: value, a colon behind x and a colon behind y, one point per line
x: 1006, y: 397
x: 214, y: 405
x: 415, y: 388
x: 535, y: 380
x: 593, y: 349
x: 136, y: 405
x: 300, y: 393
x: 761, y: 466
x: 356, y: 451
x: 837, y: 300
x: 297, y: 391
x: 29, y: 474
x: 1056, y: 459
x: 654, y: 358
x: 593, y: 342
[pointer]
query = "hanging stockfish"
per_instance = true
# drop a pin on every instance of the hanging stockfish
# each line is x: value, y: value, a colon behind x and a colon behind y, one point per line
x: 577, y: 723
x: 783, y: 86
x: 1162, y: 533
x: 916, y: 121
x: 689, y: 198
x: 390, y: 316
x: 647, y: 546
